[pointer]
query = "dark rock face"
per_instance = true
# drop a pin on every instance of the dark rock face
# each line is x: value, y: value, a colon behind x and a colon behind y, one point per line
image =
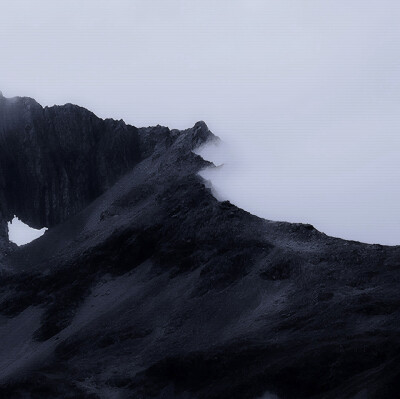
x: 55, y: 161
x: 151, y: 288
x: 4, y: 243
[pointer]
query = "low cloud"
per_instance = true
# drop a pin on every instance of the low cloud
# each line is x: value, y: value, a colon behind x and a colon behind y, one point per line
x: 21, y: 234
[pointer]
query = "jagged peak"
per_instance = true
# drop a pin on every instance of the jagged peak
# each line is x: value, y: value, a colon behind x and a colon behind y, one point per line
x: 201, y: 134
x: 200, y: 125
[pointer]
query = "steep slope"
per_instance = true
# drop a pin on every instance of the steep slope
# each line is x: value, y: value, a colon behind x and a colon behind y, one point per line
x: 55, y: 161
x: 151, y: 288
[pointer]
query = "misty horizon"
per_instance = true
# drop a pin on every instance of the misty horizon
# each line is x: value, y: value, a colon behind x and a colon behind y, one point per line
x: 304, y: 94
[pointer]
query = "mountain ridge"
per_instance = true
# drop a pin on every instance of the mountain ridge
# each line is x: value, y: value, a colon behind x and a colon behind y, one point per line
x: 152, y: 288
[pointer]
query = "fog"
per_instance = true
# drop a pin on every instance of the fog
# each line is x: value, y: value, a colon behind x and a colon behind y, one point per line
x: 305, y: 93
x: 268, y: 395
x: 20, y: 233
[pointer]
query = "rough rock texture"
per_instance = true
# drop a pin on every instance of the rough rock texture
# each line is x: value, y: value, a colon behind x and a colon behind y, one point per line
x: 154, y: 289
x: 4, y: 243
x: 55, y: 161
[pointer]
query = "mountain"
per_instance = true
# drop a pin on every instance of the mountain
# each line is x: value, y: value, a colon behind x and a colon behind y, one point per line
x: 146, y: 286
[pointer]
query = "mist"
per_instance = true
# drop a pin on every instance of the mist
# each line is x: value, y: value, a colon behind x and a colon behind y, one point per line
x: 20, y: 233
x: 268, y: 395
x: 304, y: 94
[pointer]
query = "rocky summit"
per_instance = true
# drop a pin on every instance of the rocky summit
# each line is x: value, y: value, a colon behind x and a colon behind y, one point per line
x: 146, y: 286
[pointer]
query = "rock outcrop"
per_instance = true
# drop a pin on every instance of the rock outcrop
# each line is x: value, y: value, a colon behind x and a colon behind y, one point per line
x: 55, y: 161
x: 146, y: 286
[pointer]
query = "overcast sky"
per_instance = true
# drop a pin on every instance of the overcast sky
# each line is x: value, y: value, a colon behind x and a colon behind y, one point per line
x: 305, y: 93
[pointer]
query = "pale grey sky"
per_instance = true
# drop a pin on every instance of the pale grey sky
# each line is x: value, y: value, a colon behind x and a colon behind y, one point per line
x: 305, y: 93
x: 20, y: 233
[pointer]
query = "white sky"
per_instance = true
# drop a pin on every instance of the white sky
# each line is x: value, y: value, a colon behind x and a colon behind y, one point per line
x: 20, y: 233
x: 305, y: 93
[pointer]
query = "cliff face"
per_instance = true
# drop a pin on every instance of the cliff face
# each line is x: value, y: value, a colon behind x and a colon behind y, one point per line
x: 154, y: 289
x: 55, y: 161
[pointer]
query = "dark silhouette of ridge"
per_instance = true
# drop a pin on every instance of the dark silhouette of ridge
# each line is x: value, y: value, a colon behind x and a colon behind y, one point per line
x: 146, y: 286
